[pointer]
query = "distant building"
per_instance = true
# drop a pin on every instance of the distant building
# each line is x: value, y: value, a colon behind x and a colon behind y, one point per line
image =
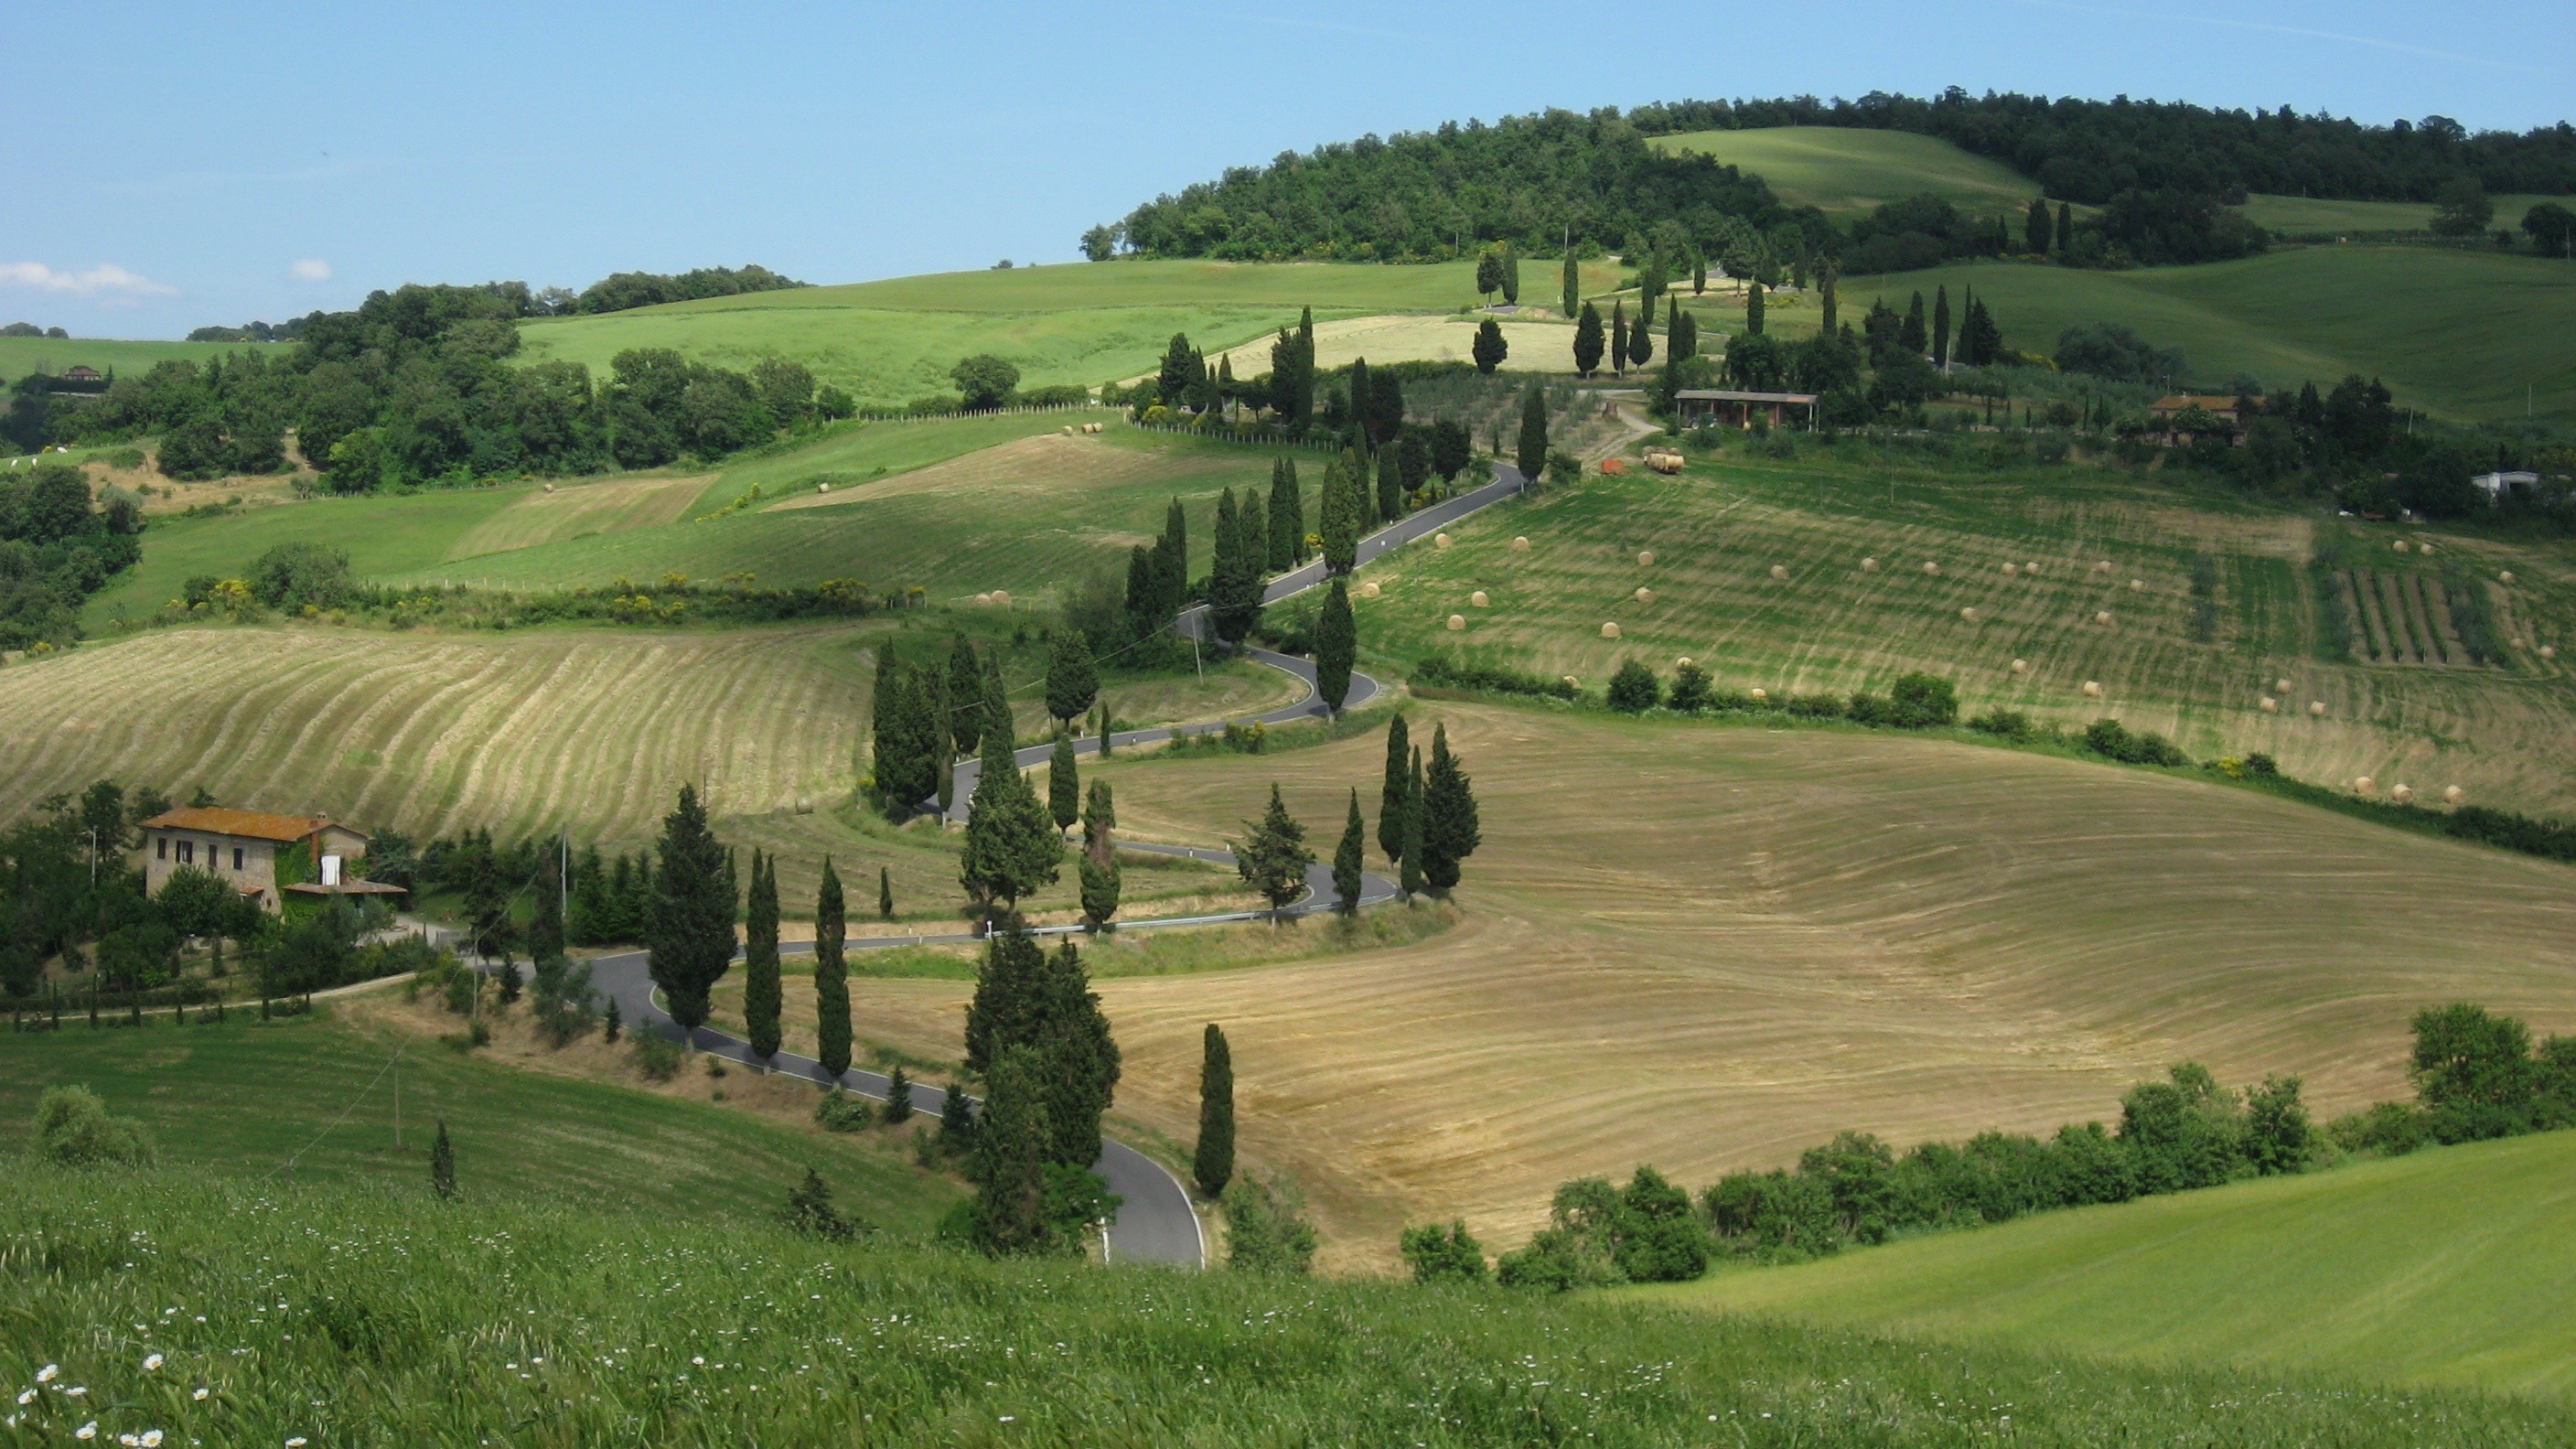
x: 1739, y: 409
x: 2166, y: 408
x: 241, y: 847
x: 81, y: 373
x: 2502, y: 482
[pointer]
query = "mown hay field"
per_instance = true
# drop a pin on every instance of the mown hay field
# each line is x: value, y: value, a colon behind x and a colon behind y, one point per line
x: 2457, y: 333
x: 20, y: 356
x: 589, y: 730
x: 1832, y: 625
x: 2304, y: 214
x: 2445, y: 1268
x: 1534, y: 346
x: 1711, y: 947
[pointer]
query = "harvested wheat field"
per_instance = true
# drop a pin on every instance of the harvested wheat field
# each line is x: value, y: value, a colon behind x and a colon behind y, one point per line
x: 1535, y: 346
x: 1709, y: 947
x: 1829, y: 623
x: 552, y: 515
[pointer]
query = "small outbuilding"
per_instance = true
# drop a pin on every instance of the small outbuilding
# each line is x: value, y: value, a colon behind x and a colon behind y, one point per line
x: 1697, y: 406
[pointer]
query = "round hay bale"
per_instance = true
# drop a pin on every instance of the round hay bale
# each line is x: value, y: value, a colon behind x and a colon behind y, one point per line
x: 1869, y: 566
x: 1520, y: 545
x: 1645, y: 596
x: 1682, y: 663
x: 1968, y: 614
x: 2092, y: 689
x: 2103, y: 567
x: 2400, y: 545
x: 1068, y: 430
x: 2402, y: 793
x: 1930, y: 567
x: 804, y: 804
x: 2137, y: 586
x: 1439, y: 540
x: 2548, y: 651
x: 1479, y: 600
x: 983, y: 601
x: 1369, y: 590
x: 2030, y: 568
x: 1001, y: 598
x: 550, y: 488
x: 2453, y: 794
x: 1761, y: 696
x: 2423, y: 548
x: 2505, y: 577
x: 1645, y: 558
x: 2364, y: 785
x: 2101, y: 616
x: 1779, y: 571
x: 2268, y: 704
x: 2021, y: 666
x: 1609, y: 631
x: 2011, y: 570
x: 2280, y: 686
x: 1457, y: 622
x: 822, y: 487
x: 2316, y: 709
x: 1577, y: 683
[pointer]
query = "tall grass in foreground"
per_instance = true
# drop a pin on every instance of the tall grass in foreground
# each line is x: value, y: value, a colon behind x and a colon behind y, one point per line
x: 340, y: 1316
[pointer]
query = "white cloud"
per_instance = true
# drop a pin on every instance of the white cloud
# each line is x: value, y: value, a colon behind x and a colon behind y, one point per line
x: 310, y: 270
x: 105, y: 280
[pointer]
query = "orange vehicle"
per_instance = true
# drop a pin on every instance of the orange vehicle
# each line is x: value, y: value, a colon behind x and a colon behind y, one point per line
x: 1615, y: 467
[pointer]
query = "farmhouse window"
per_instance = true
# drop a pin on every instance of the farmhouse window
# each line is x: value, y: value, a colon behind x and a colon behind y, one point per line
x: 187, y: 852
x: 161, y: 847
x: 237, y: 850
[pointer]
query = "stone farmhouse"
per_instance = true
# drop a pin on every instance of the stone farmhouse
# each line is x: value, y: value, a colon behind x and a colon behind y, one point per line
x: 242, y: 847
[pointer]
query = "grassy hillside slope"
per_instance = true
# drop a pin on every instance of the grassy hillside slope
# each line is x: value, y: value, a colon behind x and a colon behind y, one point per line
x: 22, y: 355
x: 1844, y: 172
x: 888, y: 342
x: 1717, y: 530
x: 243, y: 1099
x: 407, y: 1322
x: 1708, y: 948
x: 2458, y: 333
x: 2447, y: 1267
x: 2301, y: 215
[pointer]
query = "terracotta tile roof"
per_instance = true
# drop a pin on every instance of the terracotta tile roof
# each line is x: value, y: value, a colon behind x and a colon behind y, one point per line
x: 250, y: 824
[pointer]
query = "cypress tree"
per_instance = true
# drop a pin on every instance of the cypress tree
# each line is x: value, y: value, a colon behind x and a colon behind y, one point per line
x: 1008, y: 850
x: 1082, y: 1058
x: 1336, y: 647
x: 1409, y: 871
x: 1103, y: 727
x: 1684, y: 341
x: 1350, y: 858
x: 442, y: 1164
x: 1363, y: 404
x: 1911, y: 333
x: 1173, y: 380
x: 1489, y: 348
x: 1221, y: 388
x: 1008, y: 1166
x: 1072, y: 679
x: 943, y: 758
x: 1287, y: 516
x: 1390, y: 484
x: 1064, y: 785
x: 1099, y: 865
x: 1753, y: 308
x: 1699, y: 274
x: 965, y: 685
x: 588, y: 921
x: 609, y: 1021
x: 1228, y: 540
x: 1234, y: 586
x: 1272, y: 857
x: 1511, y: 274
x: 1573, y: 282
x: 898, y: 1102
x: 831, y: 976
x: 1003, y: 1011
x: 761, y: 989
x: 1450, y: 829
x: 1530, y: 453
x: 885, y: 893
x: 999, y: 735
x: 1489, y: 273
x: 1340, y: 524
x: 689, y: 925
x: 1825, y: 293
x: 1252, y: 530
x: 1304, y: 405
x: 956, y: 1118
x: 2065, y: 226
x: 1940, y: 326
x: 1618, y: 338
x: 885, y: 727
x: 546, y: 928
x: 1641, y: 343
x: 2035, y: 228
x: 1391, y: 792
x: 1213, y: 1163
x: 1588, y: 340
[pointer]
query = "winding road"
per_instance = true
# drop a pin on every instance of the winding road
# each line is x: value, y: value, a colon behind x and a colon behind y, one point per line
x: 1156, y: 1221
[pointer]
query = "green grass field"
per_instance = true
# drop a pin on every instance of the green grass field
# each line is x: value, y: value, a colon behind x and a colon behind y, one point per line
x: 2447, y: 1267
x: 891, y: 341
x: 2456, y: 333
x: 1844, y: 172
x: 2301, y: 216
x: 242, y: 1098
x: 22, y: 355
x: 343, y: 1316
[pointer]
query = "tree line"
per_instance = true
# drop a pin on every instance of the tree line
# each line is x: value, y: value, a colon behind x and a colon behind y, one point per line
x: 57, y: 548
x: 2476, y: 1076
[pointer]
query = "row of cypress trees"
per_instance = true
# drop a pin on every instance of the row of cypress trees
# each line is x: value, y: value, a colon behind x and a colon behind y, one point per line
x: 1050, y: 1066
x: 1427, y: 819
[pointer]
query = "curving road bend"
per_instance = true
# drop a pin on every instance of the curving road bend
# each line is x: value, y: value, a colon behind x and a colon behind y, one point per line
x: 1156, y: 1221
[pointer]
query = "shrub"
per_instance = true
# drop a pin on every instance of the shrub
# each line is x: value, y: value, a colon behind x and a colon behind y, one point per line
x: 2259, y: 763
x: 1055, y: 396
x: 1634, y: 689
x: 1922, y: 701
x: 2389, y: 1129
x: 73, y: 1127
x: 838, y: 1111
x: 1690, y: 689
x: 1441, y: 673
x: 2110, y: 739
x: 984, y: 381
x: 1438, y: 1254
x: 294, y: 575
x: 658, y: 1058
x: 2009, y: 724
x: 1266, y: 1230
x: 1815, y: 706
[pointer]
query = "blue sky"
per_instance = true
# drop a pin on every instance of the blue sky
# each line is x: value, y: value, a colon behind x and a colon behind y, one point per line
x: 173, y: 166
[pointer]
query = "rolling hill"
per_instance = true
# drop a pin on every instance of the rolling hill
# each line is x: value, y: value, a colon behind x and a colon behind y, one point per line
x: 2439, y: 1268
